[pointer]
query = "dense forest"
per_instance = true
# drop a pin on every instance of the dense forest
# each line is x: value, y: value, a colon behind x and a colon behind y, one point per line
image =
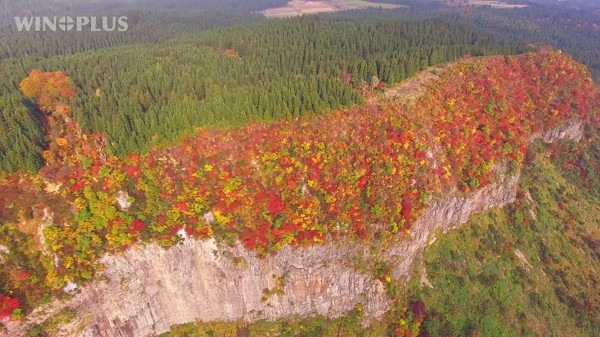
x: 143, y: 27
x: 12, y: 8
x: 229, y: 77
x: 575, y: 32
x: 573, y: 29
x: 258, y: 71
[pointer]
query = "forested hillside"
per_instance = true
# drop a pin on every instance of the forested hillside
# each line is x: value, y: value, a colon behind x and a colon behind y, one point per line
x: 203, y: 123
x: 531, y: 269
x: 298, y: 182
x: 147, y: 94
x: 575, y: 32
x: 12, y: 8
x: 143, y: 27
x: 564, y: 26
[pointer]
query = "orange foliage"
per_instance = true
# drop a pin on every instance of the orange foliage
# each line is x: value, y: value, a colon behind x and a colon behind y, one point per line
x: 49, y: 88
x: 22, y: 275
x: 61, y: 142
x: 62, y: 109
x: 230, y: 52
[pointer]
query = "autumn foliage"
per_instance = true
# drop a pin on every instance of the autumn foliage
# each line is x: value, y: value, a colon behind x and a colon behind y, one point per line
x: 346, y: 175
x: 49, y: 88
x: 8, y: 306
x: 66, y: 140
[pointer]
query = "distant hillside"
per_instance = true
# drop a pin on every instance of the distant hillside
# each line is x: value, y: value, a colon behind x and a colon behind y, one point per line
x: 12, y: 8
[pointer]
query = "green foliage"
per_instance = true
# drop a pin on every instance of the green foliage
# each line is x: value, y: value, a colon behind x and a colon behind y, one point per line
x: 347, y: 326
x: 529, y: 269
x: 51, y: 326
x: 142, y: 94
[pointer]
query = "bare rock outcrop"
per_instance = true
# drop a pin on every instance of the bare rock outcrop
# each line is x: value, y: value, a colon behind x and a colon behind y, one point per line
x: 447, y: 213
x: 144, y: 292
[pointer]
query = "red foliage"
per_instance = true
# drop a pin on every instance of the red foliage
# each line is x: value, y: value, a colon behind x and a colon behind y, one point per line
x: 76, y: 187
x: 417, y: 307
x: 182, y: 206
x: 22, y: 275
x: 133, y: 171
x: 275, y: 205
x: 346, y: 77
x: 7, y: 306
x: 138, y: 225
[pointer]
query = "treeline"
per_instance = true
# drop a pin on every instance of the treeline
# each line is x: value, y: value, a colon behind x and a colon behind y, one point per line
x: 573, y: 30
x: 143, y: 27
x: 21, y: 136
x: 391, y: 49
x: 272, y: 70
x: 11, y: 8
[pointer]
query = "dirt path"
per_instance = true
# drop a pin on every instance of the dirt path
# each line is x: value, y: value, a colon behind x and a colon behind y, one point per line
x: 409, y: 90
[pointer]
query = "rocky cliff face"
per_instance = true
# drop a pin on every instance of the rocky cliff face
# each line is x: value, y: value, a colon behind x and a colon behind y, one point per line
x: 145, y: 291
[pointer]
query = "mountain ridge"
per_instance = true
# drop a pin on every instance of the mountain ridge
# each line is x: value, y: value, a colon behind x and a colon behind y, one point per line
x: 389, y: 147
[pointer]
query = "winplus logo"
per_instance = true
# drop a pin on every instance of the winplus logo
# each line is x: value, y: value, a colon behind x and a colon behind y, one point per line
x: 68, y: 23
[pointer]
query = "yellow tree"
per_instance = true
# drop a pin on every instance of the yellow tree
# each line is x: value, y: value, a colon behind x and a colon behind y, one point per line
x: 50, y: 89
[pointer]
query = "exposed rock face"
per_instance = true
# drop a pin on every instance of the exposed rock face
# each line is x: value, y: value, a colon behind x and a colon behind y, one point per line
x: 574, y: 131
x: 455, y: 209
x: 123, y: 200
x: 3, y: 250
x: 145, y: 291
x: 446, y: 214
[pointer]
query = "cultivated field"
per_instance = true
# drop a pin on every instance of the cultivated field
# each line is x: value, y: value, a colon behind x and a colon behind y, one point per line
x: 495, y: 4
x: 301, y: 7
